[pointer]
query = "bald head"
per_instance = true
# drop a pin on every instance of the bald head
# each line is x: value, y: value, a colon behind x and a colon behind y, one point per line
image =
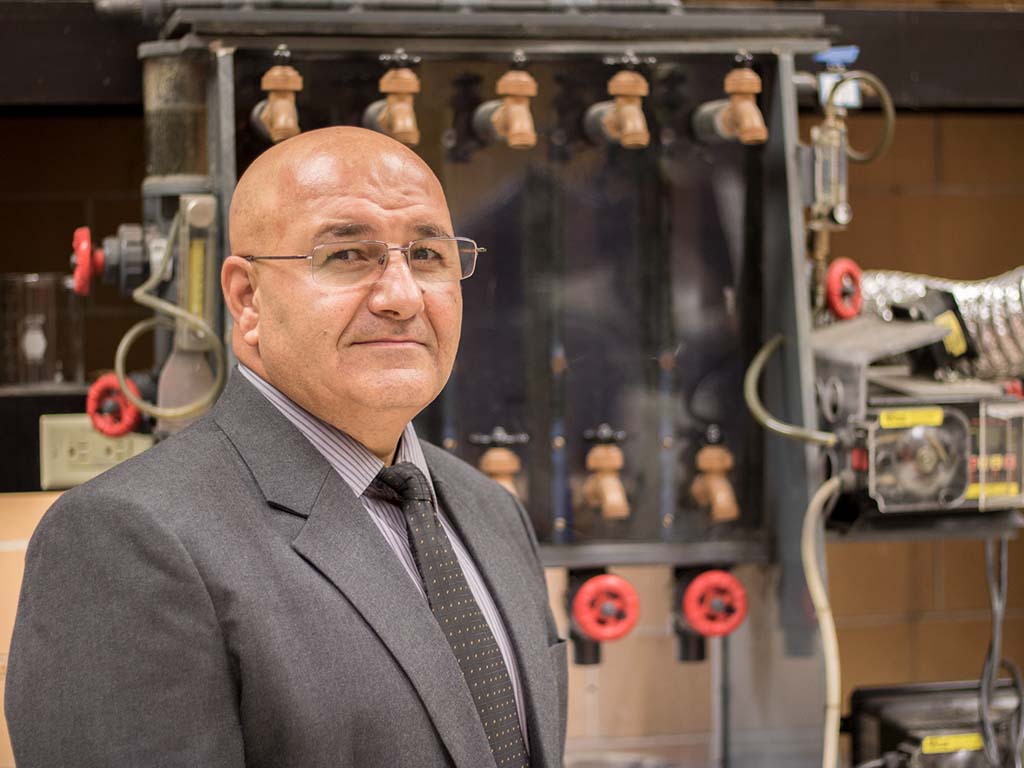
x: 312, y: 165
x: 365, y: 357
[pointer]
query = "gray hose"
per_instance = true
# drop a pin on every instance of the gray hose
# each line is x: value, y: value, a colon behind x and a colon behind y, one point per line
x: 142, y: 296
x: 762, y: 415
x: 888, y: 109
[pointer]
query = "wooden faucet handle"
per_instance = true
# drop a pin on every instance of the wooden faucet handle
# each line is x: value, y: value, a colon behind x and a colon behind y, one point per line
x: 714, y: 459
x: 516, y: 82
x: 628, y: 83
x: 742, y: 80
x: 282, y: 76
x: 399, y: 80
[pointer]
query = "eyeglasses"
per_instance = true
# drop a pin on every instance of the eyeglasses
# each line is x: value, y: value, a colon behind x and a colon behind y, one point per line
x: 431, y: 260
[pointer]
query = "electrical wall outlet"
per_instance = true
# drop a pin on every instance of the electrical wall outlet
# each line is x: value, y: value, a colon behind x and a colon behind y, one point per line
x: 71, y: 451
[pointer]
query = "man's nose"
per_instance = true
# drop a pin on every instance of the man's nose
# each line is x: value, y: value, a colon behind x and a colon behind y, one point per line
x: 396, y: 292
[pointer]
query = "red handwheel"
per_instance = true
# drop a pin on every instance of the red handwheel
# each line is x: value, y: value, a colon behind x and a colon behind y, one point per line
x: 715, y: 603
x: 606, y: 607
x: 88, y: 260
x: 109, y: 409
x: 842, y: 288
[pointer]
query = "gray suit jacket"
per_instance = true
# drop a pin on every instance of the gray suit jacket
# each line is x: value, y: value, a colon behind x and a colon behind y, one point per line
x: 225, y: 600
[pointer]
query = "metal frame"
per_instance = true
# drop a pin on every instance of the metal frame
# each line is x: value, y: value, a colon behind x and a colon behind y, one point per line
x: 224, y: 175
x: 450, y: 24
x: 790, y: 477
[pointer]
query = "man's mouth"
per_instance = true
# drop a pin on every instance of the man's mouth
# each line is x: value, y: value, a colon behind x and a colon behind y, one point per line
x: 390, y: 342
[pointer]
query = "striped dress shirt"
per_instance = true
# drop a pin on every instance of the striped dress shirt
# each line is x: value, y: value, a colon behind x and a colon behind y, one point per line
x: 358, y: 466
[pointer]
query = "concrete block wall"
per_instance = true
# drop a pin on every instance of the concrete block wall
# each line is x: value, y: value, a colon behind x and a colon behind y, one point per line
x: 947, y: 200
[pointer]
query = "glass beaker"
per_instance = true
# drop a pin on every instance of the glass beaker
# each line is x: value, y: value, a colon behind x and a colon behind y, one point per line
x: 42, y: 340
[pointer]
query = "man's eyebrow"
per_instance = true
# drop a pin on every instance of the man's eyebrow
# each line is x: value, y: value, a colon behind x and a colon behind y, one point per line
x: 336, y: 231
x: 430, y: 230
x: 343, y: 231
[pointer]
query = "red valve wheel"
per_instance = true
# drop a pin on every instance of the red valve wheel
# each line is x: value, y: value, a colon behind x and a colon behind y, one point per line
x: 118, y: 421
x: 715, y: 603
x: 88, y: 261
x: 606, y: 607
x: 842, y: 288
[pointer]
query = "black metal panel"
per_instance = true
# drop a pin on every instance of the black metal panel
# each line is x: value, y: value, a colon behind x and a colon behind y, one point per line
x: 922, y: 527
x: 65, y: 53
x: 68, y: 54
x: 20, y: 409
x: 701, y: 554
x: 938, y: 58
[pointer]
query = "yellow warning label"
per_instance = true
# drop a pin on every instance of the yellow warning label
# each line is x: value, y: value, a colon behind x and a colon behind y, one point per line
x: 951, y: 742
x: 954, y: 342
x: 992, y: 489
x: 901, y: 418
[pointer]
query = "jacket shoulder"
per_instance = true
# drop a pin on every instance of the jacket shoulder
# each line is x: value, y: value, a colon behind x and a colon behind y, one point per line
x: 451, y: 469
x: 191, y: 465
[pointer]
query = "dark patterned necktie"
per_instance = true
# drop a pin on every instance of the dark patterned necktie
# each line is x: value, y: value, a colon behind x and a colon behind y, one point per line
x: 458, y: 614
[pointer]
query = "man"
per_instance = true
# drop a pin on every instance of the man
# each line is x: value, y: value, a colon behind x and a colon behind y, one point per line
x: 281, y: 584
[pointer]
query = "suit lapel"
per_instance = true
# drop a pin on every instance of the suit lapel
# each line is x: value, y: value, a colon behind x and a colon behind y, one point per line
x: 523, y: 621
x: 341, y: 541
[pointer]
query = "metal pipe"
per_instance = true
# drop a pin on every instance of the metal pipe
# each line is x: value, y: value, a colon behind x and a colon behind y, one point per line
x: 174, y: 96
x: 165, y: 7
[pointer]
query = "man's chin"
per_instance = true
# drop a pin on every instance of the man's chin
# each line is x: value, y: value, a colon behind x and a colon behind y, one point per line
x: 398, y: 389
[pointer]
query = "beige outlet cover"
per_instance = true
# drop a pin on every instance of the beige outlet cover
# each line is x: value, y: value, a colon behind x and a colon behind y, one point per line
x: 71, y: 451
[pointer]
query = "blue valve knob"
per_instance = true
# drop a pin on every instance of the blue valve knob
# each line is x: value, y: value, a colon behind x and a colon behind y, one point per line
x: 840, y: 56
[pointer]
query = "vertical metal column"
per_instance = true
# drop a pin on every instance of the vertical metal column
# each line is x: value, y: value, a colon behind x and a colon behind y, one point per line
x: 221, y: 140
x: 791, y: 471
x: 775, y: 652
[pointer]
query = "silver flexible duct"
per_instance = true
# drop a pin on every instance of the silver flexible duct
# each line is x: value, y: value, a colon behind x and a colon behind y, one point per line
x: 992, y: 309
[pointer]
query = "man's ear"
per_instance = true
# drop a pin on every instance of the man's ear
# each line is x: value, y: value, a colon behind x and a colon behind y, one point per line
x: 238, y: 283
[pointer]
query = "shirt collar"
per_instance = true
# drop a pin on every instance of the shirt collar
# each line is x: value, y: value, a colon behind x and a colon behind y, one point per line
x: 354, y: 462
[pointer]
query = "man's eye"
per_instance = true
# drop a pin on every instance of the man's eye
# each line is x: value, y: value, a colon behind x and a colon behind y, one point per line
x: 348, y: 255
x: 422, y: 253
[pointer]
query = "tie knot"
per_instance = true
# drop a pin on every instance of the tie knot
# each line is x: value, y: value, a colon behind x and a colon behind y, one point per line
x: 406, y: 481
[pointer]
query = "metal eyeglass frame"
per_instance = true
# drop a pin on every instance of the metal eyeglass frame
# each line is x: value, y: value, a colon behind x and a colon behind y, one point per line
x: 406, y: 250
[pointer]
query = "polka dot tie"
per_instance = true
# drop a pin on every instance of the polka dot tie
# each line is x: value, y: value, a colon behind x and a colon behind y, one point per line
x: 458, y: 614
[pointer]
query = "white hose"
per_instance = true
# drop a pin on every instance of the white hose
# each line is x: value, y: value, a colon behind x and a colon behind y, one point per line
x: 823, y: 611
x: 142, y: 296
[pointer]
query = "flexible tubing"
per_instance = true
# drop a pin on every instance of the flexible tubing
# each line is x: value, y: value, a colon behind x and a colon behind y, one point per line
x: 996, y: 571
x: 142, y: 296
x: 887, y: 108
x: 823, y: 611
x: 761, y: 414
